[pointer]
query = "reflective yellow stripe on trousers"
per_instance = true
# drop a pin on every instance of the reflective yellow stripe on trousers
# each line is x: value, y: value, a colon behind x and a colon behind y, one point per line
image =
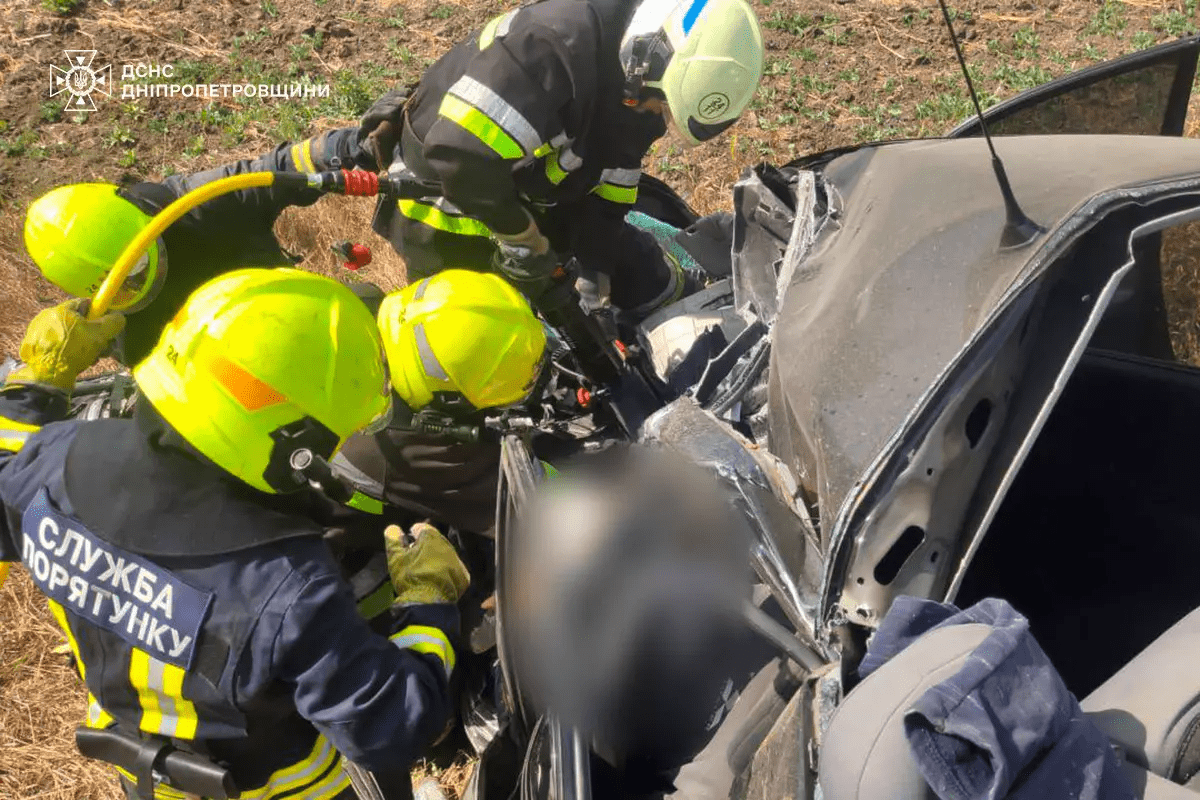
x: 160, y: 692
x: 97, y: 717
x: 318, y: 777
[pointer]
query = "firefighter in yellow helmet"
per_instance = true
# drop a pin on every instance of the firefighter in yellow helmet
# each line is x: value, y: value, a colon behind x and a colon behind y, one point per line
x: 459, y: 344
x: 75, y: 232
x: 221, y: 649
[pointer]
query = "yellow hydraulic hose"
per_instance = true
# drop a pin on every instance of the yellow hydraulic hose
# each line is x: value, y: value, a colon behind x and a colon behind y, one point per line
x: 134, y: 250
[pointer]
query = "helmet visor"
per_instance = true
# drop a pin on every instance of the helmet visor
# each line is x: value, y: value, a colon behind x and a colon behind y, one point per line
x: 678, y: 136
x: 143, y: 282
x: 384, y: 419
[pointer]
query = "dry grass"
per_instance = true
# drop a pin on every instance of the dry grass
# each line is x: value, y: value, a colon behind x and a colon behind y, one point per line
x: 452, y: 779
x: 311, y: 231
x: 25, y: 291
x: 41, y: 702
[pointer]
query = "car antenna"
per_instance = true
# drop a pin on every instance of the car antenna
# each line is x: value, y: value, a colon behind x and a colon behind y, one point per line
x: 1019, y: 229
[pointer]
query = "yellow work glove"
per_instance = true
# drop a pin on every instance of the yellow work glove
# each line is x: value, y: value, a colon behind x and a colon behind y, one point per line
x: 61, y: 342
x: 424, y: 566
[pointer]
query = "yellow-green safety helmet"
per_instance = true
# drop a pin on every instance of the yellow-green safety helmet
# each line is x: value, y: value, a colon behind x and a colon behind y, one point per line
x: 260, y: 364
x: 703, y: 57
x: 75, y: 234
x: 462, y: 332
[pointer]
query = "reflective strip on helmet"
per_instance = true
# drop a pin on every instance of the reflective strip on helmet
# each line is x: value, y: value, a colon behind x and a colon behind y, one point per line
x: 693, y: 14
x: 159, y: 687
x: 252, y: 393
x: 497, y: 28
x: 429, y: 214
x: 497, y: 111
x: 427, y: 640
x: 97, y: 717
x: 429, y: 360
x: 302, y: 156
x: 419, y: 292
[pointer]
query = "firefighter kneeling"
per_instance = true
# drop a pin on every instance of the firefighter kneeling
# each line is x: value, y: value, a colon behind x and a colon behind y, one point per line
x: 221, y: 650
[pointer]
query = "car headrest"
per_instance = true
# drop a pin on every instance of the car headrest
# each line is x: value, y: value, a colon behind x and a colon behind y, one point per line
x: 865, y: 755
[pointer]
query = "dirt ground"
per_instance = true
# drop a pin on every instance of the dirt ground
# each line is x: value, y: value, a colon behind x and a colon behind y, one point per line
x: 837, y: 72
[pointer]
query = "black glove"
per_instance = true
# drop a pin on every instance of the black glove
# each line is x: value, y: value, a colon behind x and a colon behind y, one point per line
x: 526, y: 261
x: 532, y: 273
x: 382, y: 124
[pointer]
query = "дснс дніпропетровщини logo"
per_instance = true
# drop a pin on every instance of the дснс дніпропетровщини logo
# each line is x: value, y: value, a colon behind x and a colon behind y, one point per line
x: 80, y: 79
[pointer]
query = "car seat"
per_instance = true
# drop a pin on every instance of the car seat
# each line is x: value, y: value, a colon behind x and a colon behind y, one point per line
x: 1150, y: 709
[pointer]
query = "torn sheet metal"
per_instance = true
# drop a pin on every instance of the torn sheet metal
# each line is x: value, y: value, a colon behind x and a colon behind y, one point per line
x: 787, y: 555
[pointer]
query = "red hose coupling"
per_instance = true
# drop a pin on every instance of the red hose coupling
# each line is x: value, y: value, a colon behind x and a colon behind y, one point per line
x: 360, y: 183
x: 584, y: 397
x: 356, y: 256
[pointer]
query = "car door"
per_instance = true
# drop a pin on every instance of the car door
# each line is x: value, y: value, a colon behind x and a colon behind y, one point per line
x: 1144, y: 93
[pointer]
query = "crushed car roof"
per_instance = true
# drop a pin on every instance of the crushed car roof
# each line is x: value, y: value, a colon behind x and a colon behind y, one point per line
x: 906, y: 271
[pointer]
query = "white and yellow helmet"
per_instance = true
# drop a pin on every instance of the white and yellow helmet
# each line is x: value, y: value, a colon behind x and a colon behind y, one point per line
x: 703, y: 57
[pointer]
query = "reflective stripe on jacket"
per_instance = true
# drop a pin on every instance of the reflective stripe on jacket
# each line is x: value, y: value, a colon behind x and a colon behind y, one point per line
x: 204, y: 611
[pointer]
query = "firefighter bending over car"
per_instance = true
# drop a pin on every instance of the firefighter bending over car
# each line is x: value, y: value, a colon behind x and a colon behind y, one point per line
x: 208, y: 620
x: 535, y: 128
